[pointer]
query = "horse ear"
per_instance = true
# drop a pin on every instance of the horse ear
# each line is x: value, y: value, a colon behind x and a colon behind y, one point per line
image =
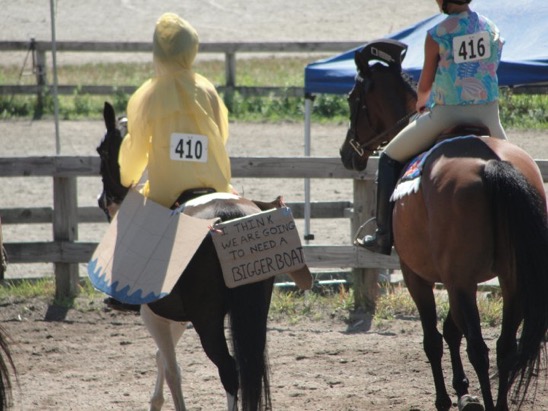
x: 263, y: 206
x: 109, y: 116
x: 362, y: 64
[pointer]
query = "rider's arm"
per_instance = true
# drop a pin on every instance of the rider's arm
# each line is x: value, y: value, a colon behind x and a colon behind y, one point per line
x: 133, y: 157
x: 431, y: 58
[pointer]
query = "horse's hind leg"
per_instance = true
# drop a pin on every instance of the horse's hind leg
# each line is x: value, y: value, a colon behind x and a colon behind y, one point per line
x: 166, y: 334
x: 212, y: 337
x: 157, y: 399
x: 453, y: 336
x: 466, y: 316
x: 507, y: 344
x: 423, y: 296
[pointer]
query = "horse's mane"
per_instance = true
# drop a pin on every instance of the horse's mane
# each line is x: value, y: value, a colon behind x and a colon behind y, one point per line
x: 409, y: 84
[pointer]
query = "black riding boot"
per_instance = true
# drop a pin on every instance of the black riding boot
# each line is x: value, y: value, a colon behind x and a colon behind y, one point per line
x: 389, y: 172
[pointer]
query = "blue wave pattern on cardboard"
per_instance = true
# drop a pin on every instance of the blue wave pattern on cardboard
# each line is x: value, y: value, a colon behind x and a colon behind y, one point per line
x: 97, y: 276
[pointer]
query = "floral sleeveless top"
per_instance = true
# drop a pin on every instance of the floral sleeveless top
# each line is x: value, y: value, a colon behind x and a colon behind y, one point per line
x: 470, y: 48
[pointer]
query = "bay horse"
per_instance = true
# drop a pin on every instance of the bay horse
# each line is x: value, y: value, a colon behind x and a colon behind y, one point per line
x: 479, y: 213
x: 201, y: 298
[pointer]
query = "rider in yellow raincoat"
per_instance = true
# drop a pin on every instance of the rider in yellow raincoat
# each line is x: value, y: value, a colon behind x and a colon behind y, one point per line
x: 177, y: 123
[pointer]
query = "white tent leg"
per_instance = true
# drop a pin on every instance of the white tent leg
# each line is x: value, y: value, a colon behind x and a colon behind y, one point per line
x: 307, y: 120
x: 55, y: 93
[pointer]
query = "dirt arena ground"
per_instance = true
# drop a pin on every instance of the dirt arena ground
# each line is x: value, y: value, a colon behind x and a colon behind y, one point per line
x: 95, y: 360
x: 91, y: 359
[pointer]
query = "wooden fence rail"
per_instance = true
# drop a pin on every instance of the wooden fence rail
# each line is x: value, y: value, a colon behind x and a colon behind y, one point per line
x: 66, y: 252
x: 39, y: 49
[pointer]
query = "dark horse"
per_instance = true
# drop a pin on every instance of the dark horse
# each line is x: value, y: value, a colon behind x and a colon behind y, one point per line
x: 6, y: 362
x: 479, y: 212
x: 201, y: 297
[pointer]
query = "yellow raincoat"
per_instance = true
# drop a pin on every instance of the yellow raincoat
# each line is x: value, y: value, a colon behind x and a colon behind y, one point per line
x: 177, y: 123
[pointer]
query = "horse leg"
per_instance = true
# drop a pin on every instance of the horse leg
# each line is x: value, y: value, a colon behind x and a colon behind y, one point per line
x: 212, y: 336
x: 423, y: 296
x: 507, y: 345
x: 466, y: 316
x: 157, y: 400
x: 453, y: 337
x: 166, y: 334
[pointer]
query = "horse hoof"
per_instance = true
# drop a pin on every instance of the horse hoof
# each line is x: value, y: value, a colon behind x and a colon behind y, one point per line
x: 470, y: 403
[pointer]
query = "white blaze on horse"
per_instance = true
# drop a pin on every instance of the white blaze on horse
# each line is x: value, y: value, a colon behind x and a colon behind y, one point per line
x: 200, y: 297
x: 479, y: 212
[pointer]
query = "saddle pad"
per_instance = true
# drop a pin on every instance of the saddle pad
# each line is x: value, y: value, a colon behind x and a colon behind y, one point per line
x: 259, y: 246
x: 144, y: 250
x: 409, y: 183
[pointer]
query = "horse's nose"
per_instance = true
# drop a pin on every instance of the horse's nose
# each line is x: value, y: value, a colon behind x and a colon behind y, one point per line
x: 346, y: 157
x: 359, y: 163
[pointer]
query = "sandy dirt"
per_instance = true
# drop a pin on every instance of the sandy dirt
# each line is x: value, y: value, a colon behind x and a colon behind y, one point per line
x: 95, y: 360
x: 92, y: 359
x: 215, y: 21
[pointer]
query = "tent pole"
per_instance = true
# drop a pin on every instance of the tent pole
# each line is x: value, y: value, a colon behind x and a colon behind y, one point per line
x: 55, y: 95
x: 308, y: 100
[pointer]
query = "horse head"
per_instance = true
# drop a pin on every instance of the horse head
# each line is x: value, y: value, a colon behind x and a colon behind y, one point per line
x: 113, y: 191
x: 381, y: 102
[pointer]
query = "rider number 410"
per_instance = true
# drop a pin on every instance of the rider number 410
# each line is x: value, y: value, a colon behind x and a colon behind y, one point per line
x: 471, y: 47
x: 188, y: 147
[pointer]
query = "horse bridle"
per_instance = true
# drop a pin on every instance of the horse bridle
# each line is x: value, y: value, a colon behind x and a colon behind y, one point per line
x: 378, y: 140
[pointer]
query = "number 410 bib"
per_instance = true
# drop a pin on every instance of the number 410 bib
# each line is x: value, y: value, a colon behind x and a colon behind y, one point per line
x: 188, y: 147
x: 471, y: 47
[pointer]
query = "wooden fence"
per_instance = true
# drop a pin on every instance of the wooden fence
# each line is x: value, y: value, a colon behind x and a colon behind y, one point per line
x: 39, y: 50
x: 66, y: 252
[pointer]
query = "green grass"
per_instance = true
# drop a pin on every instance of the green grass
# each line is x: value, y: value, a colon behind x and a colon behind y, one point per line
x: 44, y: 288
x: 397, y: 303
x: 290, y: 306
x: 305, y: 306
x: 517, y: 111
x: 393, y: 303
x: 27, y: 289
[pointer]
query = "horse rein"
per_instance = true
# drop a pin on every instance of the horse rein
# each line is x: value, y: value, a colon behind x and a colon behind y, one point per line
x: 378, y: 139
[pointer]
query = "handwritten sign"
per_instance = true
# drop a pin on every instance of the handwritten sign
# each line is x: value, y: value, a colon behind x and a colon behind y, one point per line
x: 259, y: 246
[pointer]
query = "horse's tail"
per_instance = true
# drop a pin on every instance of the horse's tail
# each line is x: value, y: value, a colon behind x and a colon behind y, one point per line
x: 248, y: 311
x: 522, y: 210
x: 6, y: 363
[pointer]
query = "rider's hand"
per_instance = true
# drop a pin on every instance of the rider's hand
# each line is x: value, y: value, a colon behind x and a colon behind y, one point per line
x: 420, y: 106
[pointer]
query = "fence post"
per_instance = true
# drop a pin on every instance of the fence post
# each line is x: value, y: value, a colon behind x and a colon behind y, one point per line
x: 365, y: 279
x: 230, y: 69
x: 41, y: 76
x: 65, y: 228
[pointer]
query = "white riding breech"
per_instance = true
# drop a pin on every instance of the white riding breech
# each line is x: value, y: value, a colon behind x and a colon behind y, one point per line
x: 421, y: 134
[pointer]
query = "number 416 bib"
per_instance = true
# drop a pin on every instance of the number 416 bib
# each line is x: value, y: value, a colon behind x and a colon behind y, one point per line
x: 188, y: 147
x: 471, y: 47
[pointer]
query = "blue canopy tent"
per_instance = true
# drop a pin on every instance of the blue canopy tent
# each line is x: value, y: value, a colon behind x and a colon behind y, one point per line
x: 523, y: 24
